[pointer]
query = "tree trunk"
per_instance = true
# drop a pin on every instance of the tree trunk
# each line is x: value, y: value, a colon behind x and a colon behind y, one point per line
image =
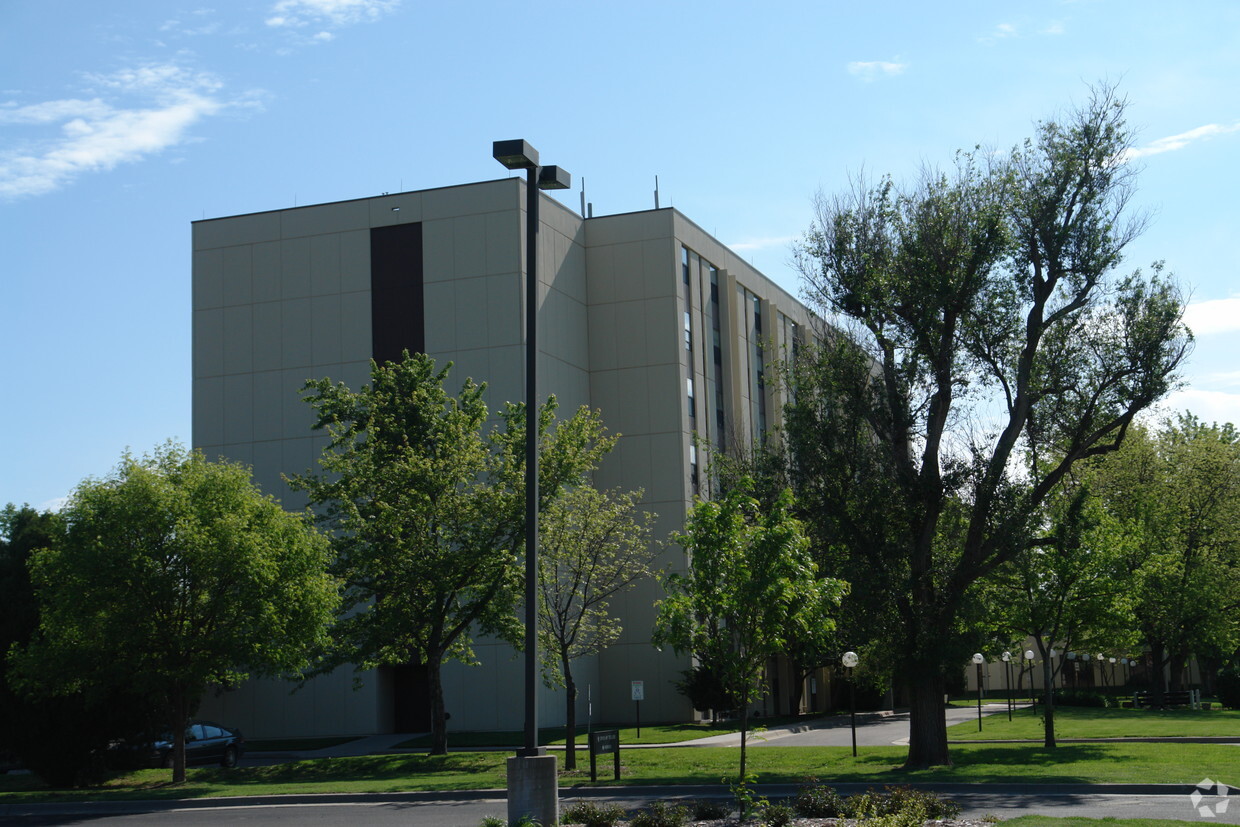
x: 1178, y: 660
x: 744, y: 736
x: 570, y: 718
x: 1158, y: 682
x: 1048, y: 680
x: 798, y: 691
x: 180, y: 705
x: 439, y: 722
x: 927, y: 743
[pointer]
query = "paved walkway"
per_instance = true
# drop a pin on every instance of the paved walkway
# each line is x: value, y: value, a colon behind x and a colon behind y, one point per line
x: 883, y: 728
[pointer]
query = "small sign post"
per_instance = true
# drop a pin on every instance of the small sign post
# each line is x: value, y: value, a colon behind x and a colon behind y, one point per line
x: 603, y: 741
x: 639, y: 695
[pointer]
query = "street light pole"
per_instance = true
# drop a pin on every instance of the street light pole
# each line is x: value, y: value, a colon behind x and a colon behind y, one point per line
x: 979, y: 660
x: 1033, y: 696
x: 850, y: 660
x: 532, y: 786
x: 1007, y: 669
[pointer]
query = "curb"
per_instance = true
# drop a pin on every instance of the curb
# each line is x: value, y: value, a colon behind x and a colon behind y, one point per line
x: 139, y: 807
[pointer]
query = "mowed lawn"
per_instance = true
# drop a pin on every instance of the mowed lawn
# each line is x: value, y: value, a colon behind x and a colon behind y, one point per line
x: 978, y: 763
x: 1090, y: 722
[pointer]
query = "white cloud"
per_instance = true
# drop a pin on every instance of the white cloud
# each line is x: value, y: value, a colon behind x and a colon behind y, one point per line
x: 871, y: 69
x: 1055, y: 28
x: 763, y: 243
x: 1213, y: 316
x: 298, y: 13
x: 138, y: 112
x: 1174, y: 142
x: 1209, y: 406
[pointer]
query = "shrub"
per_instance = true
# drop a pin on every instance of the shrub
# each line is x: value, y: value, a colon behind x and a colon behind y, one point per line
x: 493, y: 821
x: 906, y: 799
x: 709, y: 810
x: 1082, y: 697
x: 868, y: 804
x: 818, y: 801
x: 1228, y: 686
x: 776, y: 815
x: 661, y: 814
x: 591, y: 814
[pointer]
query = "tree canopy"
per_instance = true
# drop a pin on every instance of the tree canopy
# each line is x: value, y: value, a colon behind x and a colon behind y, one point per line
x: 751, y: 585
x: 594, y: 545
x: 1176, y: 491
x: 169, y: 576
x: 990, y: 346
x: 426, y: 509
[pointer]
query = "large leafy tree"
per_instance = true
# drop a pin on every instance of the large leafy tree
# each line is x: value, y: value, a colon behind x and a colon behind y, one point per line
x: 58, y: 737
x: 1073, y: 591
x: 992, y: 347
x: 594, y: 545
x: 172, y: 575
x: 751, y: 584
x: 1176, y: 490
x: 427, y: 513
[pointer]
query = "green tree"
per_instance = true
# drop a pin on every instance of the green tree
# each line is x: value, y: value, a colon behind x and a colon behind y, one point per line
x: 751, y: 583
x: 991, y: 349
x: 1073, y: 590
x: 594, y: 545
x: 1177, y: 490
x: 61, y: 738
x: 172, y: 575
x: 427, y: 513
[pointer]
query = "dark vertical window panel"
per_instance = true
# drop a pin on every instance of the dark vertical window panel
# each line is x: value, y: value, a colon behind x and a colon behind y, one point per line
x: 396, y: 300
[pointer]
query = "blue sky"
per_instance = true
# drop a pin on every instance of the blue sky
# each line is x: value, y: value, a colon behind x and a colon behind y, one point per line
x: 122, y: 122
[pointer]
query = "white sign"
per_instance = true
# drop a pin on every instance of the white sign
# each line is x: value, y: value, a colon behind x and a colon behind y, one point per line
x: 639, y: 690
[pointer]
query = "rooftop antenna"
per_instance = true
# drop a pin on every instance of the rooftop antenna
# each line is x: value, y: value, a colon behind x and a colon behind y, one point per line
x: 583, y: 195
x: 656, y: 192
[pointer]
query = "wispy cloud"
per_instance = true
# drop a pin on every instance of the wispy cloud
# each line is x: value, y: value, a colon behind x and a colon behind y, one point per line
x: 1003, y: 31
x: 871, y: 69
x: 332, y: 13
x: 763, y: 243
x: 134, y: 113
x: 1208, y: 405
x: 1213, y: 316
x: 1183, y: 139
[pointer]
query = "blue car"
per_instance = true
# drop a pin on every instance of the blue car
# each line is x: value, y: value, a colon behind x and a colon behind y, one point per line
x: 205, y: 743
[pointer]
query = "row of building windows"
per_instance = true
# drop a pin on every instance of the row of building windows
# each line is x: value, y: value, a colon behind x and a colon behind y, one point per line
x: 756, y: 337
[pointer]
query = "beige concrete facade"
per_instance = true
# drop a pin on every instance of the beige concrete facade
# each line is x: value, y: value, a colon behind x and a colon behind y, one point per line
x: 627, y: 326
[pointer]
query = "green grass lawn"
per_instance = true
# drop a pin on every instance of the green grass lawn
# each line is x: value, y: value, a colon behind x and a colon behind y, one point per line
x: 1075, y: 763
x: 654, y: 734
x: 1090, y: 722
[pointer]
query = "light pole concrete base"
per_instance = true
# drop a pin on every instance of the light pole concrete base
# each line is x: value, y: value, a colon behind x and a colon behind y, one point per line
x: 533, y: 789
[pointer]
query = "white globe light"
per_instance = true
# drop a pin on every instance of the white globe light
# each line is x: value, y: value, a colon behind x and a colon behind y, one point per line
x: 1101, y: 656
x: 979, y: 659
x: 1028, y: 654
x: 850, y: 659
x: 1007, y: 656
x: 1112, y: 660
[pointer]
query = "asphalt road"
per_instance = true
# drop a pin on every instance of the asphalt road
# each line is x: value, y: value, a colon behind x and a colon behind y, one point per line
x: 469, y: 812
